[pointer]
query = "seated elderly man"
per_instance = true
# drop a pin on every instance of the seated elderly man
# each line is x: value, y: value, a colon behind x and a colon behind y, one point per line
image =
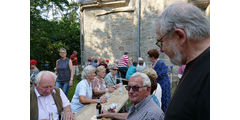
x: 46, y: 100
x: 143, y: 107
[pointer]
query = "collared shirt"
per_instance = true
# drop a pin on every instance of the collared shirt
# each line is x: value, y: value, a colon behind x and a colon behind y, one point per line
x: 147, y: 109
x: 82, y: 89
x: 110, y: 80
x: 47, y: 105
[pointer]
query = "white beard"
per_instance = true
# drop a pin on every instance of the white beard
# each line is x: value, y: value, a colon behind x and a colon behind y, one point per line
x: 177, y: 57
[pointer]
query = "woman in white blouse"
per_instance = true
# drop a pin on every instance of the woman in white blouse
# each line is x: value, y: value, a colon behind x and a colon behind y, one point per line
x: 83, y: 92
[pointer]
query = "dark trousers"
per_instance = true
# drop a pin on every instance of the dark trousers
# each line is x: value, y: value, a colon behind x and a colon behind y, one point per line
x: 122, y: 71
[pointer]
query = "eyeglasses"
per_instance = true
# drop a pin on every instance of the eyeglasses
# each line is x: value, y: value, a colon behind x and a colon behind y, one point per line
x: 159, y: 41
x: 134, y: 88
x: 115, y: 69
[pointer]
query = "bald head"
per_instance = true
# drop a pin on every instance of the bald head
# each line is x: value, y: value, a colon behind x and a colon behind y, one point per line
x: 45, y: 81
x: 44, y: 74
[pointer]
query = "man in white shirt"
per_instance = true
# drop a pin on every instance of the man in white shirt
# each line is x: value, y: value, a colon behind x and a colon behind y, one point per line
x: 141, y: 65
x: 48, y: 101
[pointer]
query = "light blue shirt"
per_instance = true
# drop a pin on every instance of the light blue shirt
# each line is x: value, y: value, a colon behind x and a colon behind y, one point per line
x: 131, y: 70
x: 82, y: 89
x: 110, y: 80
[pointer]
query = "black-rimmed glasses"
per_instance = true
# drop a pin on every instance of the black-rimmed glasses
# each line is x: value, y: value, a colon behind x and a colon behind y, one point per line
x: 134, y: 88
x: 159, y: 41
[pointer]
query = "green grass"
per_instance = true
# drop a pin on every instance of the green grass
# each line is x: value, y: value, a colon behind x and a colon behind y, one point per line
x: 71, y: 90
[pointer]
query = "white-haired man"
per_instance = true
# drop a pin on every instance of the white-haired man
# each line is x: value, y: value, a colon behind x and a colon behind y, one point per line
x: 183, y: 33
x: 141, y: 65
x: 143, y: 107
x: 46, y: 100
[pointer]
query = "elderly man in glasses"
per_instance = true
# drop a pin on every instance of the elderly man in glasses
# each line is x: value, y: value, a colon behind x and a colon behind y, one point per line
x: 183, y: 33
x: 143, y: 107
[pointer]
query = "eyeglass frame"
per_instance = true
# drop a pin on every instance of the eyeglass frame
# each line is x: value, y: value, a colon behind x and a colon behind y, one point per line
x: 115, y: 69
x: 134, y: 88
x: 160, y: 40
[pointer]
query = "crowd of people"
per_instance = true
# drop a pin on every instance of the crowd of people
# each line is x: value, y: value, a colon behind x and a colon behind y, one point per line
x: 182, y: 34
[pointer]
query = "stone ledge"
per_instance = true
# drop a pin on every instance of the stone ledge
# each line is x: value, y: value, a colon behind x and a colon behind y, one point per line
x: 116, y: 11
x: 103, y: 3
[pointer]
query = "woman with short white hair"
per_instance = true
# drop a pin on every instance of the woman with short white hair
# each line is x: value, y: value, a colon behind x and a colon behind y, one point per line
x: 83, y: 92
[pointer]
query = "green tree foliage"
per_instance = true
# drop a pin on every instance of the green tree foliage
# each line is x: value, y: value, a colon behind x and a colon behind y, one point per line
x: 47, y: 36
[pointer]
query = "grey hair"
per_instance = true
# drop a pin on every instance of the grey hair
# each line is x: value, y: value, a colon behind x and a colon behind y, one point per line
x: 39, y: 76
x: 146, y: 80
x: 187, y: 17
x: 112, y: 66
x: 87, y: 71
x: 62, y: 49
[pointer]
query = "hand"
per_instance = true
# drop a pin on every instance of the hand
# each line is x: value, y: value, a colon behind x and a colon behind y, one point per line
x: 116, y: 86
x: 111, y: 89
x: 68, y: 115
x: 70, y: 83
x: 103, y: 99
x: 105, y: 114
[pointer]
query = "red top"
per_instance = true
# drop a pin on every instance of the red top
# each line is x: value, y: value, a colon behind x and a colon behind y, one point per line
x: 74, y: 59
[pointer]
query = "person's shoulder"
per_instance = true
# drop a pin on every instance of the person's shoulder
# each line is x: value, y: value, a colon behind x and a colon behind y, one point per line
x: 82, y: 82
x: 152, y: 105
x: 154, y: 110
x: 95, y: 79
x: 160, y: 62
x: 107, y: 76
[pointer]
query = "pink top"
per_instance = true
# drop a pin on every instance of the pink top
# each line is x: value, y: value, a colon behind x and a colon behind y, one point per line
x: 181, y: 69
x: 98, y: 84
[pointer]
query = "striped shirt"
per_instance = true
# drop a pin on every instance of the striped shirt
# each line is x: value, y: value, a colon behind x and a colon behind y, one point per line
x: 123, y: 62
x: 147, y: 109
